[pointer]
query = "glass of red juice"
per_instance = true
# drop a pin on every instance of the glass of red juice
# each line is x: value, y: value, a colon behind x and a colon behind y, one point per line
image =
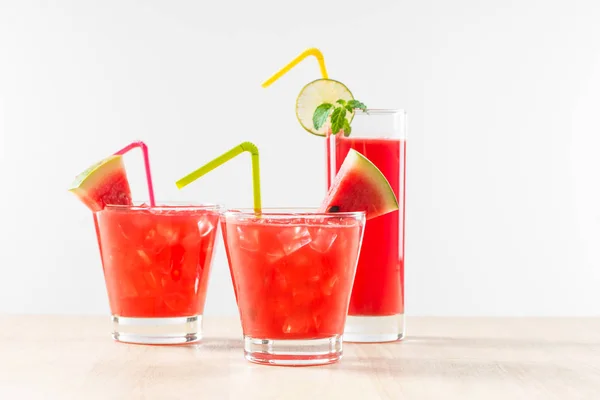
x: 156, y: 263
x: 292, y: 273
x: 376, y: 312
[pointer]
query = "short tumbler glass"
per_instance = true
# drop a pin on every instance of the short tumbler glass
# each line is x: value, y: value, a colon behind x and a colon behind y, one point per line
x: 156, y: 263
x: 292, y: 273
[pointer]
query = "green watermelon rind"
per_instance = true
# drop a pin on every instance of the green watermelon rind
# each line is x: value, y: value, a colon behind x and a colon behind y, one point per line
x: 96, y: 175
x: 84, y: 178
x: 355, y: 161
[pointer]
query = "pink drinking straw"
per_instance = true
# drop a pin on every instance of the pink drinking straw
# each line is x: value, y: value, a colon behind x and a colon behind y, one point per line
x: 144, y: 149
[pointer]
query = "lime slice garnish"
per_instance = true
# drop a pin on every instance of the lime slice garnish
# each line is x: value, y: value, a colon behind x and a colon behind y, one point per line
x: 313, y: 95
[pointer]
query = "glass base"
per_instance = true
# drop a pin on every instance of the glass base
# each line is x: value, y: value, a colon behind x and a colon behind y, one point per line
x: 177, y: 330
x: 375, y: 329
x: 293, y: 352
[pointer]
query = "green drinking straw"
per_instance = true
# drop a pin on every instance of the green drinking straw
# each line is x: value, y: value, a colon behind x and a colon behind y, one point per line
x: 222, y: 159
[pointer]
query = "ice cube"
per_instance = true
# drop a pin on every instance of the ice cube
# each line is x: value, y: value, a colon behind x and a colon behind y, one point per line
x: 294, y: 238
x: 205, y: 226
x: 296, y: 324
x: 322, y: 239
x: 169, y: 233
x: 248, y: 238
x: 303, y: 296
x: 190, y: 241
x: 290, y: 241
x: 128, y: 288
x: 275, y: 279
x: 328, y: 285
x: 125, y: 236
x: 275, y: 255
x: 317, y: 321
x: 144, y: 256
x: 151, y: 279
x: 177, y: 258
x: 142, y: 220
x: 154, y: 243
x: 174, y: 301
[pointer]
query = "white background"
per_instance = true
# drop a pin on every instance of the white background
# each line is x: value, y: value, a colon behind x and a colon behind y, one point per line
x: 503, y: 99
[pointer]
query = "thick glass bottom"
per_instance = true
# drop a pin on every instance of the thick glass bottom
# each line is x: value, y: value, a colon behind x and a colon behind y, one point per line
x: 293, y: 352
x: 177, y: 330
x: 374, y: 329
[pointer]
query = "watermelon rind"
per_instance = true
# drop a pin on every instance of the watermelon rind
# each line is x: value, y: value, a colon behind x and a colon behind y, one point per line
x: 375, y: 199
x: 103, y: 181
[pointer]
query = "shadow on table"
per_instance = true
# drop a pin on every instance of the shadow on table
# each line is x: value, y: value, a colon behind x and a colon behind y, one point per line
x: 467, y: 368
x: 491, y: 343
x: 221, y: 344
x: 470, y: 358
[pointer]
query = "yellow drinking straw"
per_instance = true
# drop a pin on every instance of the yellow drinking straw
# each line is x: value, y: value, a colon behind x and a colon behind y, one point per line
x: 222, y: 159
x: 309, y: 52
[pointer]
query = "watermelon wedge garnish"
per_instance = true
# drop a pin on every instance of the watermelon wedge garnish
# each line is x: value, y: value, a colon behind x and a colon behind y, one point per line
x: 360, y: 186
x: 103, y: 183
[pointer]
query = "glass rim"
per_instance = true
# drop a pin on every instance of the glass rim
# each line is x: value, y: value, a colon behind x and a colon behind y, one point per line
x: 291, y: 212
x: 380, y: 111
x: 165, y: 206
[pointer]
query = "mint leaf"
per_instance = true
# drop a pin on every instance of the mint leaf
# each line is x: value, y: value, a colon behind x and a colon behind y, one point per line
x: 347, y: 128
x: 357, y: 104
x: 320, y: 115
x: 338, y: 116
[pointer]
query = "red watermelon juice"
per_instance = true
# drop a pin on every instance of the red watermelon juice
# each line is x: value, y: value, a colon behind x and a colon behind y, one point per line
x: 292, y: 275
x: 376, y: 311
x: 156, y: 263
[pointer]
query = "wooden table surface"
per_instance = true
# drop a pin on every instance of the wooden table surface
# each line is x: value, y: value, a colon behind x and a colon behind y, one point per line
x: 68, y: 357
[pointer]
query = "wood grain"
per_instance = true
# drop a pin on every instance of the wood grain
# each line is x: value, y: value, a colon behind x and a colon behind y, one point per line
x: 68, y: 357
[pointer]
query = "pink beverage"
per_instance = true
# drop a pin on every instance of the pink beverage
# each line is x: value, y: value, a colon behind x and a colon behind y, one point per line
x: 292, y: 275
x: 376, y: 312
x: 156, y: 263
